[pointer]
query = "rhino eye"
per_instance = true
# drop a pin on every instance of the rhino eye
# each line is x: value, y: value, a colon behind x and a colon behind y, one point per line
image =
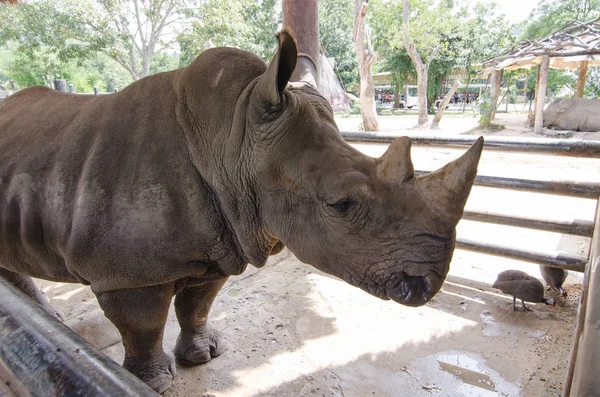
x: 343, y: 206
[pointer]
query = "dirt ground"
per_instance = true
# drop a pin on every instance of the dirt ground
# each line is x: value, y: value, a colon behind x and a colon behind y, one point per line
x: 294, y: 331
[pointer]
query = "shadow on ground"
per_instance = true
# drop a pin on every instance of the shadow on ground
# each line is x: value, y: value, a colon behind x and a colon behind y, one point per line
x: 294, y: 331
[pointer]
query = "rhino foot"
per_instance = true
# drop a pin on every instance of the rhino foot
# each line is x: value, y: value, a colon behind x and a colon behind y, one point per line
x: 158, y: 374
x: 199, y: 347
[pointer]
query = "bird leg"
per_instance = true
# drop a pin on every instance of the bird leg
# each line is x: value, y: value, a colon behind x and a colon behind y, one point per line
x: 525, y: 307
x: 515, y: 308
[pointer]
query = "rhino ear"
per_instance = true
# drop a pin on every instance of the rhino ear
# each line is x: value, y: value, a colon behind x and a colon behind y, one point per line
x: 446, y: 190
x: 273, y: 82
x: 395, y: 165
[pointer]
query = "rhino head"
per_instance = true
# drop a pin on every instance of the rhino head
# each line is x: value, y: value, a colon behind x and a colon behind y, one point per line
x: 369, y: 221
x: 282, y: 175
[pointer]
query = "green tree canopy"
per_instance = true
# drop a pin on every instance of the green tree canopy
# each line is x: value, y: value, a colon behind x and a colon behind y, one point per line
x: 550, y: 15
x: 247, y: 24
x: 336, y: 19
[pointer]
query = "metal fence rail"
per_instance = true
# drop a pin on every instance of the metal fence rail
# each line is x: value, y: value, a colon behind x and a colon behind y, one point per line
x: 573, y: 148
x: 40, y: 356
x: 584, y: 365
x: 560, y: 147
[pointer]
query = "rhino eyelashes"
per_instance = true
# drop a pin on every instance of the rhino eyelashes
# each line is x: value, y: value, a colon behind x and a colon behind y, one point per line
x: 343, y: 206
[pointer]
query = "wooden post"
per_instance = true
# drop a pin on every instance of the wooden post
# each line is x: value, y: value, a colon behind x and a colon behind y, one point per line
x: 581, y: 76
x: 496, y: 83
x: 582, y: 379
x: 540, y: 98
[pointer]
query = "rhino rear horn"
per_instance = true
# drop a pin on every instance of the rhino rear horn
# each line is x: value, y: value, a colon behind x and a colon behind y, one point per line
x: 446, y: 190
x: 396, y: 165
x: 273, y: 82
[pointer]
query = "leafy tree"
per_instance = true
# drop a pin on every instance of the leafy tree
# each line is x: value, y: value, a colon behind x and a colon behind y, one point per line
x: 129, y: 31
x: 485, y: 35
x: 422, y: 28
x: 550, y: 15
x: 366, y: 57
x: 336, y: 20
x: 592, y: 89
x: 246, y: 24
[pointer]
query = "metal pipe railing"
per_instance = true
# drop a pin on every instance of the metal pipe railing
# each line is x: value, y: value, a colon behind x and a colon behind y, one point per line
x: 556, y: 259
x: 559, y: 147
x: 589, y: 190
x: 576, y: 227
x: 40, y: 356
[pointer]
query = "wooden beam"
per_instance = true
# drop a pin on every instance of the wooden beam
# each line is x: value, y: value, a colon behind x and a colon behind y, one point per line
x: 540, y: 95
x: 581, y: 77
x: 584, y: 361
x: 496, y: 83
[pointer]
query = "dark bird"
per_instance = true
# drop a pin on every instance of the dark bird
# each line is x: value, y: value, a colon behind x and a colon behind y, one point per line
x: 554, y: 278
x: 523, y: 286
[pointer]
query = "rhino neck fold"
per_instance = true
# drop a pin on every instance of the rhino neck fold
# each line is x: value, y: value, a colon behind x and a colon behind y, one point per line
x: 221, y: 152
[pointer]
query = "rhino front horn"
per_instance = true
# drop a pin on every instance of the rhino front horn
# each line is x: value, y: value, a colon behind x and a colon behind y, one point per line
x: 446, y: 190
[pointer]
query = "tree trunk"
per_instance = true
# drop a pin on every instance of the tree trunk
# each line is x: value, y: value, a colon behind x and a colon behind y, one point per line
x: 366, y: 57
x: 421, y: 68
x: 445, y: 101
x: 397, y: 94
x: 464, y: 104
x: 302, y: 19
x: 540, y: 98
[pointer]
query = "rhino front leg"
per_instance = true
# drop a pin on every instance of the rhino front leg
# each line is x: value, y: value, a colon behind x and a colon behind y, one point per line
x: 140, y: 315
x: 28, y: 287
x: 198, y: 342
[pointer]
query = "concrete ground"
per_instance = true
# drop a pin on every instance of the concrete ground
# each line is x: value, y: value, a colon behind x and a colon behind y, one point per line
x: 295, y: 331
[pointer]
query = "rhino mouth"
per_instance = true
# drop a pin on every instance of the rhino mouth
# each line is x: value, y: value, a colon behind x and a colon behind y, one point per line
x: 412, y: 291
x: 404, y: 289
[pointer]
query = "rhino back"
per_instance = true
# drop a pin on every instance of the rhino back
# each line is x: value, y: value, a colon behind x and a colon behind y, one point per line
x: 101, y: 190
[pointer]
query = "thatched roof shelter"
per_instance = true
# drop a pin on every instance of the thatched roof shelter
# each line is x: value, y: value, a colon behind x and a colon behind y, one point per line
x: 576, y: 45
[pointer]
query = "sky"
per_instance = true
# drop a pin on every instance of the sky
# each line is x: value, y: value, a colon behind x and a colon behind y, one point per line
x: 516, y: 10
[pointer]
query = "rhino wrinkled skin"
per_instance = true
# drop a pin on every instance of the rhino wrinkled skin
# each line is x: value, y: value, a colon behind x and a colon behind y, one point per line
x: 183, y: 178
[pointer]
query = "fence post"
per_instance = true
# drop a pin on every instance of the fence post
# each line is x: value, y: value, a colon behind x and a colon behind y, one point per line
x: 71, y: 88
x: 95, y: 90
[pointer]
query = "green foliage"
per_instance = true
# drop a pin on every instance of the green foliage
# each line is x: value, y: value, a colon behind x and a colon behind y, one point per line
x: 246, y: 24
x: 484, y: 35
x: 129, y: 32
x: 592, y: 89
x: 550, y: 15
x: 336, y: 21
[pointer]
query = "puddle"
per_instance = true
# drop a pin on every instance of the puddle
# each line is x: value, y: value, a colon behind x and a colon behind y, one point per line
x: 466, y: 370
x: 460, y: 373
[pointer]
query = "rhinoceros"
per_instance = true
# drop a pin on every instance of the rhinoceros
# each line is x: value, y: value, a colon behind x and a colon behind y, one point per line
x: 573, y: 114
x: 175, y: 183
